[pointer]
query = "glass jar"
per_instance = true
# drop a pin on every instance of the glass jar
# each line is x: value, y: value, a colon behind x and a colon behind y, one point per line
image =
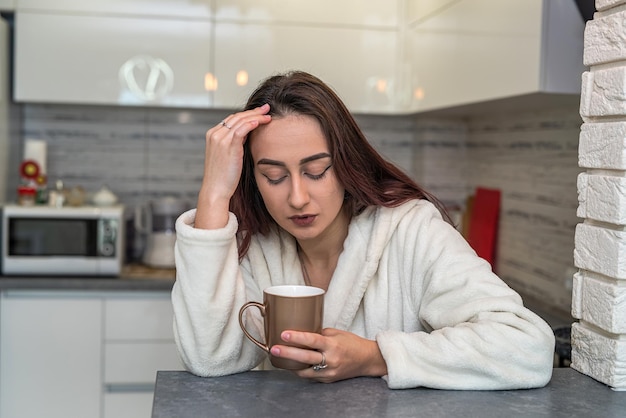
x: 26, y: 195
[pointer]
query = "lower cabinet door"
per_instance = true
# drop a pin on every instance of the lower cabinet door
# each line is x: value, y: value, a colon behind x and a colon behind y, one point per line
x: 50, y: 356
x: 129, y: 375
x: 138, y: 363
x: 128, y: 404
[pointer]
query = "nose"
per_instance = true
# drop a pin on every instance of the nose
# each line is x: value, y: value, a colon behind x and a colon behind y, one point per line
x: 299, y: 194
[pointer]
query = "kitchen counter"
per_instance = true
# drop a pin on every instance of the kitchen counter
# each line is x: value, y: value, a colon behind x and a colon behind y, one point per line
x: 280, y: 393
x: 133, y: 277
x: 141, y: 277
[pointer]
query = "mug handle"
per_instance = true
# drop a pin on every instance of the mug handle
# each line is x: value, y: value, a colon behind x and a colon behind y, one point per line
x: 261, y: 308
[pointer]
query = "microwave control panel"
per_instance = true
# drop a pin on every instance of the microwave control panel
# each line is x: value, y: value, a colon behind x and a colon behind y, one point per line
x: 108, y: 230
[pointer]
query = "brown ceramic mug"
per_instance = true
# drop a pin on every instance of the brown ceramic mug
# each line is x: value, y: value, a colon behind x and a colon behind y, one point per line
x: 297, y: 308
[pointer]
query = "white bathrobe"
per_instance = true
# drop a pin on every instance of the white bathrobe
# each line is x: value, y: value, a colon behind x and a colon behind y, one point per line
x: 405, y: 278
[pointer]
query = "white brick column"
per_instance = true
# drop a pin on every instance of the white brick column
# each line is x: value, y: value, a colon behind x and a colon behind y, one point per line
x: 599, y: 294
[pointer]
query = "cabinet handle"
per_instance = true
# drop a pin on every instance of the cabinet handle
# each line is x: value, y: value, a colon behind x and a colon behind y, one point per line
x: 128, y: 387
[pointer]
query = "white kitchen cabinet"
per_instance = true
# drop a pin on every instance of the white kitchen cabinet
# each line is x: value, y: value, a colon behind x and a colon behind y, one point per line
x: 168, y: 8
x: 395, y: 57
x: 124, y: 60
x: 364, y: 13
x: 146, y: 317
x: 50, y: 355
x: 470, y: 51
x: 351, y: 45
x: 7, y: 5
x: 83, y: 354
x: 113, y: 60
x: 136, y: 363
x: 138, y: 341
x: 359, y: 63
x: 128, y: 404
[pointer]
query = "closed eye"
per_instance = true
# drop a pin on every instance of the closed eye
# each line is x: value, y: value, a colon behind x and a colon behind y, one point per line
x: 274, y: 181
x: 278, y: 180
x: 318, y: 176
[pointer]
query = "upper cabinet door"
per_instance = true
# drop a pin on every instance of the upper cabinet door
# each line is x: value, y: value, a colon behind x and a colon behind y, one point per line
x: 364, y: 13
x: 461, y: 52
x: 111, y: 60
x: 7, y: 4
x: 358, y: 63
x: 351, y: 45
x: 381, y: 56
x: 196, y: 9
x: 471, y: 51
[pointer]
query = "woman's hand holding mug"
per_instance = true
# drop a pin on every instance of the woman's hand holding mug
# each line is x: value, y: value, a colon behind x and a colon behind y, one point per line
x: 296, y: 308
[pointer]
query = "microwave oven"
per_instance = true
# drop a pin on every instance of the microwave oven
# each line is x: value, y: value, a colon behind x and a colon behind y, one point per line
x: 50, y: 241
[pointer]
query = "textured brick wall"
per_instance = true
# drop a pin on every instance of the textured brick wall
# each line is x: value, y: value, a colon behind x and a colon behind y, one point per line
x: 599, y: 293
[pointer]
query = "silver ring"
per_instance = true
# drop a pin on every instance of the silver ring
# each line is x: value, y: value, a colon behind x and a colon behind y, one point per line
x: 322, y: 365
x: 225, y: 125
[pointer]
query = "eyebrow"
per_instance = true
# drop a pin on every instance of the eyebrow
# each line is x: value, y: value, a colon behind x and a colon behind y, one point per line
x: 314, y: 157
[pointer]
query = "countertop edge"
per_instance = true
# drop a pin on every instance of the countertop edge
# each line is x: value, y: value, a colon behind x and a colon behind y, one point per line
x: 85, y: 283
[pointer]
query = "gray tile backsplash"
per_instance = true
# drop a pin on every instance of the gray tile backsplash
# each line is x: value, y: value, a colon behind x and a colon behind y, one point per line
x: 142, y: 154
x: 145, y: 153
x: 533, y: 159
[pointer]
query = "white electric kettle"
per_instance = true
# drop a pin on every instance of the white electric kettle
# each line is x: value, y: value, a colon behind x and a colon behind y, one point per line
x: 157, y: 220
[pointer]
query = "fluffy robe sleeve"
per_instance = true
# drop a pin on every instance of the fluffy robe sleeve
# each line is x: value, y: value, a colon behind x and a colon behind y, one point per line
x: 476, y: 333
x: 206, y: 297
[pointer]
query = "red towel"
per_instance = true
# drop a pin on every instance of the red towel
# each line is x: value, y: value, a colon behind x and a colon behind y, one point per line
x: 483, y: 228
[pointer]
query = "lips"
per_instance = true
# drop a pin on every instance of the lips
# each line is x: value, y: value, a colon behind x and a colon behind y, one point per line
x: 304, y: 220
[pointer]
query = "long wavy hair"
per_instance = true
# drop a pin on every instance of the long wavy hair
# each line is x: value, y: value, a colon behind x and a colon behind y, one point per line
x: 368, y: 179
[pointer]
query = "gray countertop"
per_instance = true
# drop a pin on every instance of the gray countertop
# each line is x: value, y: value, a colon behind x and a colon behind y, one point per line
x: 133, y: 277
x: 280, y: 393
x: 138, y: 277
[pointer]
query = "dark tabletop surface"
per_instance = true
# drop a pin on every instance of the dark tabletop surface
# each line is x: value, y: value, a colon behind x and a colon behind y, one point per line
x: 281, y: 394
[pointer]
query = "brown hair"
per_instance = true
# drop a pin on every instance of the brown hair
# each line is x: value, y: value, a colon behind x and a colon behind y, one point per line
x: 366, y: 176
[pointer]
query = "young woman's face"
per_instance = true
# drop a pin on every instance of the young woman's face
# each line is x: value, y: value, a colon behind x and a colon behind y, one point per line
x: 294, y: 173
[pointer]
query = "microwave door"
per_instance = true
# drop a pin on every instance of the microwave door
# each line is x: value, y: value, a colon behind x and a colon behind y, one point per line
x: 41, y: 240
x: 36, y: 237
x: 49, y: 246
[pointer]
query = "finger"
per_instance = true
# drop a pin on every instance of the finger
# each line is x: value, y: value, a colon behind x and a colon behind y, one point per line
x: 301, y: 355
x: 236, y: 134
x: 313, y: 342
x: 234, y: 120
x: 308, y: 339
x: 225, y: 124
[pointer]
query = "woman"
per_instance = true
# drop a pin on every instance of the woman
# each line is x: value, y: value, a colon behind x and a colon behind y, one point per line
x: 293, y: 194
